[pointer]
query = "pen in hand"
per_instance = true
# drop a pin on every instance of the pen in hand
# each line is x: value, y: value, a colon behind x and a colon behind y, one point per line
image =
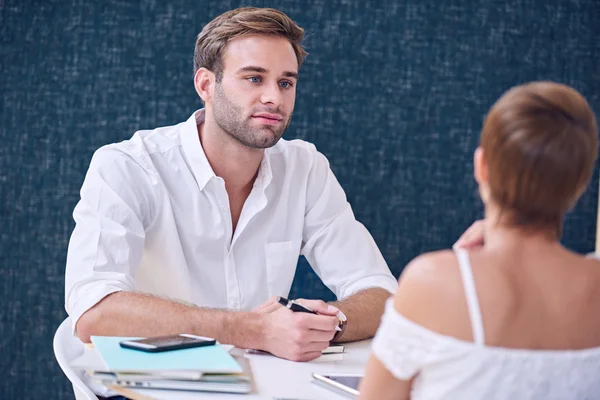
x: 297, y: 307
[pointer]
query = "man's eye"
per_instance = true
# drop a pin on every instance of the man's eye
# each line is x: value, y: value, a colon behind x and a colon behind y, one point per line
x: 254, y: 79
x: 285, y: 84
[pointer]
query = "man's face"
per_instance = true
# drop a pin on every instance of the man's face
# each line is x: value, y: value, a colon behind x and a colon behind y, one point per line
x: 254, y: 101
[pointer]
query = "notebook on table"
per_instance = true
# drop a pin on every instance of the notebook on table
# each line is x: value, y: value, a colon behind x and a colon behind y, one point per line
x: 209, y: 368
x: 207, y: 383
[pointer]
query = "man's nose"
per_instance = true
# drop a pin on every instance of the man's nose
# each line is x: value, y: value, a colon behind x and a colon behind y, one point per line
x: 272, y: 95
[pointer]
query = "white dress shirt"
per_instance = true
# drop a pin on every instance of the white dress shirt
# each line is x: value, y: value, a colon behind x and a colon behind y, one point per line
x: 153, y: 217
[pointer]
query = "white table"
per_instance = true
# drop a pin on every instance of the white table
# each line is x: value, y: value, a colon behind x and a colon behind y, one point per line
x: 275, y: 378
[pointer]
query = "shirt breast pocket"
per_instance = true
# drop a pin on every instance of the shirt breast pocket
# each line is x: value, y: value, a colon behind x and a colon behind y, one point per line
x: 281, y: 259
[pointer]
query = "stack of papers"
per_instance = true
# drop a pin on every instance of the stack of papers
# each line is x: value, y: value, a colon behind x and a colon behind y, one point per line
x: 208, y: 368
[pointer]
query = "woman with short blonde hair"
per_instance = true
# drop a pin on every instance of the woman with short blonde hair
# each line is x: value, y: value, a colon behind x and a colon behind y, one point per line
x: 516, y: 318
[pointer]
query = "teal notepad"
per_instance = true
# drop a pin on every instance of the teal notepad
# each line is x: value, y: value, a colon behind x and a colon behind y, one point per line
x: 207, y: 359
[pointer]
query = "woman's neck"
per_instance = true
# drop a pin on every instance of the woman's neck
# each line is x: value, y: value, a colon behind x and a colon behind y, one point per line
x: 499, y: 233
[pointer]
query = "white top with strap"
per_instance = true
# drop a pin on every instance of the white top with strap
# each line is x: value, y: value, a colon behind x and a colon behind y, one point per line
x: 448, y: 368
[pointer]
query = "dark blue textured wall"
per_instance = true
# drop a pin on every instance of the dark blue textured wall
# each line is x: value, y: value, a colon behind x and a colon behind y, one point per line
x: 393, y: 93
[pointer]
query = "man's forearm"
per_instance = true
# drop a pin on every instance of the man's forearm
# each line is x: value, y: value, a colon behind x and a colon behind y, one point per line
x: 138, y: 314
x: 364, y: 310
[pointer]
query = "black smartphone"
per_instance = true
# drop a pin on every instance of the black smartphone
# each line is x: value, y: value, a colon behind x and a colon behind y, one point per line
x: 165, y: 343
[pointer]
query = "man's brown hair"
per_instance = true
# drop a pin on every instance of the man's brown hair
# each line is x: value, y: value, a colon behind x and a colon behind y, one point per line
x: 244, y: 21
x: 540, y: 141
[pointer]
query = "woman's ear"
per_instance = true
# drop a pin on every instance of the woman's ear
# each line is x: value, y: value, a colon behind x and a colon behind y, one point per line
x: 481, y: 174
x: 204, y: 82
x: 480, y: 167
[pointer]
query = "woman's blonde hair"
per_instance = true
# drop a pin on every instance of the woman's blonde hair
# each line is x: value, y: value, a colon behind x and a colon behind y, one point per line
x: 540, y: 141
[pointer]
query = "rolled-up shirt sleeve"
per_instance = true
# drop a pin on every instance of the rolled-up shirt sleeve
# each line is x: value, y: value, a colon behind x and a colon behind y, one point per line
x: 118, y: 200
x: 339, y: 248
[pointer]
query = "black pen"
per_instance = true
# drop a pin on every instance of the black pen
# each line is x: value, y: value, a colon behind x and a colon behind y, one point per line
x: 294, y: 306
x: 297, y: 307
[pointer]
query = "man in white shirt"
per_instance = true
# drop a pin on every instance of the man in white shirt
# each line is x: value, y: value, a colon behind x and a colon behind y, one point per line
x: 197, y: 227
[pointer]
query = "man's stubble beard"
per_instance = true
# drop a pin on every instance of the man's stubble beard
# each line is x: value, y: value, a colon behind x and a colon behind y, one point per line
x: 230, y: 118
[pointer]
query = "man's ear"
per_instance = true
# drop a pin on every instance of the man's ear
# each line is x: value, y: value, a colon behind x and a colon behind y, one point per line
x: 204, y: 82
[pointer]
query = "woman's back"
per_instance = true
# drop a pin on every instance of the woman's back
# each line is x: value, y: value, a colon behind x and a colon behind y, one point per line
x: 538, y: 335
x: 535, y: 294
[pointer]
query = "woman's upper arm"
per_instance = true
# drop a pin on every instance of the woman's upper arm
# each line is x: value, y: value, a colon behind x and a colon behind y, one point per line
x: 402, y: 347
x: 380, y: 384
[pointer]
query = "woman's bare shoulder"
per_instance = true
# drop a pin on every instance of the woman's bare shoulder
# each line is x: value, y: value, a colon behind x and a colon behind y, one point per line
x: 430, y: 269
x: 431, y: 294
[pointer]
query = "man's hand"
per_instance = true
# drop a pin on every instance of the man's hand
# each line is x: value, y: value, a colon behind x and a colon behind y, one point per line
x: 473, y: 237
x: 318, y: 306
x: 298, y: 336
x: 268, y: 306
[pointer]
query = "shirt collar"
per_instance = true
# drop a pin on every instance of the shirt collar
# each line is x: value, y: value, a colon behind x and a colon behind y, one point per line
x: 199, y: 164
x: 190, y: 140
x: 265, y: 174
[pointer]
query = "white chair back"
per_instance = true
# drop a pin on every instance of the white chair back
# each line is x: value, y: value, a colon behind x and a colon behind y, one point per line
x: 67, y: 348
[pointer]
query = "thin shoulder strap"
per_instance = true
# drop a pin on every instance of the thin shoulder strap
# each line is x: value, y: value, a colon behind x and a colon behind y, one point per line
x: 471, y: 295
